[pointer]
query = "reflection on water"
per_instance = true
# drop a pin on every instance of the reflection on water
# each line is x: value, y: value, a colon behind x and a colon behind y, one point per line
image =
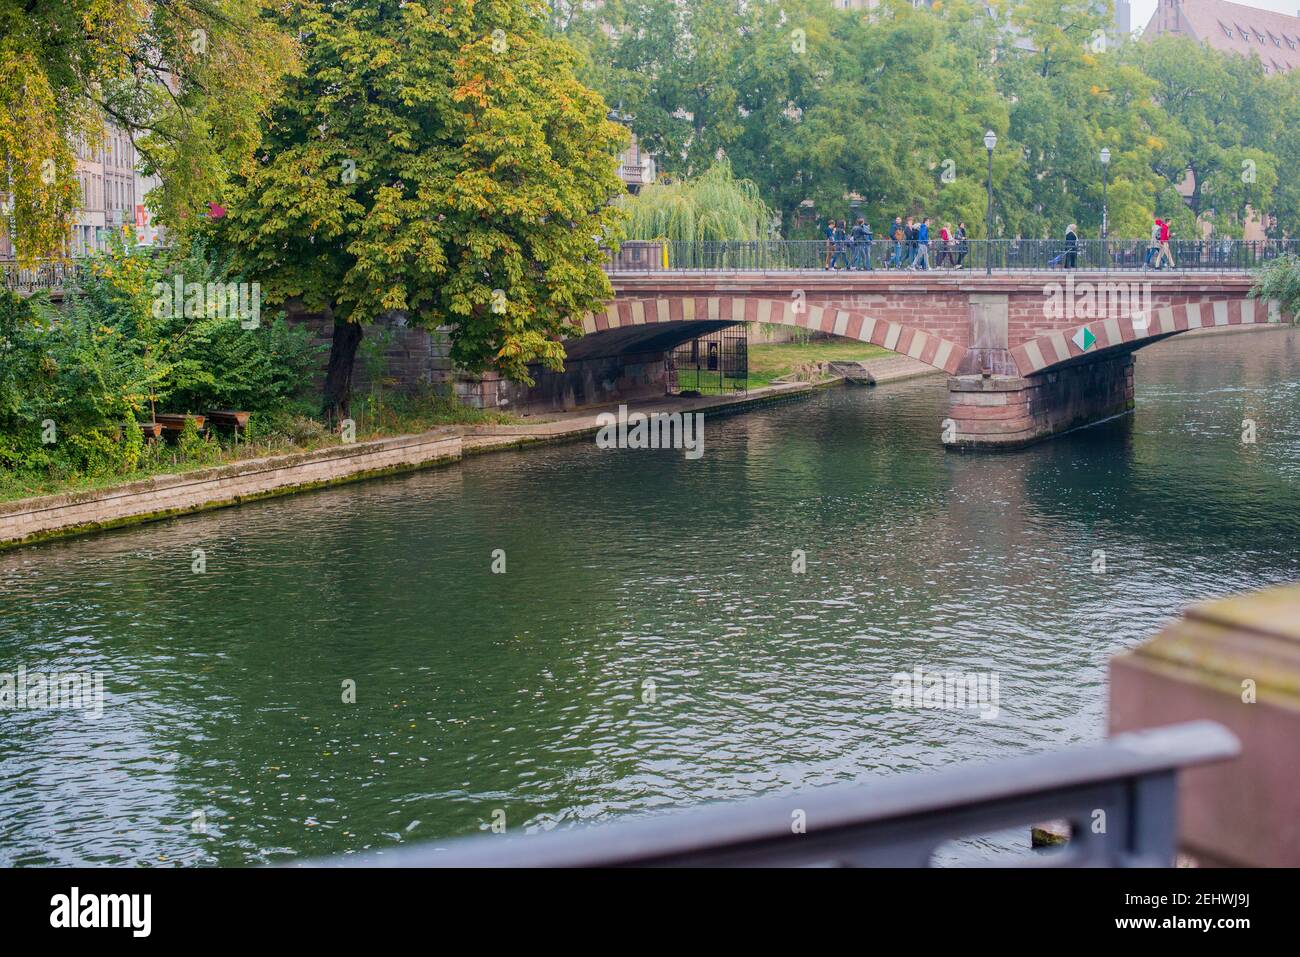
x: 528, y: 692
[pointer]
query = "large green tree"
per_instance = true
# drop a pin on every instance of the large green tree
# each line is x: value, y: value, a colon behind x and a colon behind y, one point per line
x: 812, y: 103
x: 441, y: 160
x: 188, y: 80
x: 1222, y: 130
x: 886, y: 109
x: 1284, y: 91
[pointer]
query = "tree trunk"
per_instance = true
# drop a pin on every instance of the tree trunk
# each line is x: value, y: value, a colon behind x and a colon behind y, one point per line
x: 336, y: 405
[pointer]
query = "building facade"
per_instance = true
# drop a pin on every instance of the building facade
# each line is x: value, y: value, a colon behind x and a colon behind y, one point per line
x: 1232, y: 28
x: 636, y: 168
x: 112, y: 196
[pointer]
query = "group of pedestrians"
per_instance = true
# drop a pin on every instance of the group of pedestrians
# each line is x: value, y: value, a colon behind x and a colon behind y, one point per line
x: 907, y: 244
x: 1158, y: 252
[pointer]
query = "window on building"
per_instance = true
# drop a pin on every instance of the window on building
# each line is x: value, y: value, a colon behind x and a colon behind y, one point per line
x: 1289, y: 42
x: 1227, y: 30
x: 1242, y: 30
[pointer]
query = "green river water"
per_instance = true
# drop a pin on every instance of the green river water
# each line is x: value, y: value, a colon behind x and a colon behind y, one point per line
x: 526, y: 692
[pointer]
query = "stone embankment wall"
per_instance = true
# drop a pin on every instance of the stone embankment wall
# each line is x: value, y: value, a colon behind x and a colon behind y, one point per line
x: 166, y: 495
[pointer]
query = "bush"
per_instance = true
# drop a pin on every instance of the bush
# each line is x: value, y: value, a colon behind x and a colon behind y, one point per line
x: 75, y: 381
x: 1280, y: 280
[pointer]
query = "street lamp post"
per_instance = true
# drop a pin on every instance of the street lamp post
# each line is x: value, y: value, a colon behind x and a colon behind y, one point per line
x: 990, y: 141
x: 1105, y: 165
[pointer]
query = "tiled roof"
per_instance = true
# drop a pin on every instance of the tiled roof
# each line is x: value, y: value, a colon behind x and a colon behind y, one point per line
x: 1236, y: 28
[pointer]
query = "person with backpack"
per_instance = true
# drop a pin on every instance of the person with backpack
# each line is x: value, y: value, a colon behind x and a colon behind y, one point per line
x: 898, y: 233
x: 861, y: 245
x: 922, y: 258
x: 963, y: 247
x: 1072, y: 246
x: 1154, y: 248
x: 840, y: 241
x: 945, y: 246
x: 830, y: 243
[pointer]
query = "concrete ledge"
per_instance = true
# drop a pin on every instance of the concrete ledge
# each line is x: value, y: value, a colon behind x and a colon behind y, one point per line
x: 35, y: 519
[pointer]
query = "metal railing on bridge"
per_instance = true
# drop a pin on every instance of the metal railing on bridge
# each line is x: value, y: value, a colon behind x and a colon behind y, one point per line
x: 48, y: 275
x: 1002, y: 255
x: 1119, y: 797
x: 776, y: 255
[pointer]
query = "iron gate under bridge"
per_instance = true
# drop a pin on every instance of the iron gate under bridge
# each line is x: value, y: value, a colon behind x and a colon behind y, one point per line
x: 716, y: 363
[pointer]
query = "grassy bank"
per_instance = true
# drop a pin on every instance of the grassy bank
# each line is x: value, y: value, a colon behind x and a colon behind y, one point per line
x: 279, y: 434
x: 771, y: 361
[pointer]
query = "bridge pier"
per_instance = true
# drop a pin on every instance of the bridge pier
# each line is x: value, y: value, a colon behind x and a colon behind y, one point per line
x: 1010, y: 412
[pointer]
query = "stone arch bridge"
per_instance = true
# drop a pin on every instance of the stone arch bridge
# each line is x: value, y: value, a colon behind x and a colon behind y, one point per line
x: 1027, y: 356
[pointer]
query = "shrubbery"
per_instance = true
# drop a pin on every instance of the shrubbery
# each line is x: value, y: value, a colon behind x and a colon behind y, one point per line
x: 75, y: 379
x: 1279, y: 280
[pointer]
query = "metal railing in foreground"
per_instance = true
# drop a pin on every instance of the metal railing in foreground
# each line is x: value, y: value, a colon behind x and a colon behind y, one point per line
x: 1119, y: 796
x: 1002, y: 255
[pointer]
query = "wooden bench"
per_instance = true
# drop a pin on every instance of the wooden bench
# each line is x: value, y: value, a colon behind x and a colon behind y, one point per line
x: 152, y: 430
x: 228, y: 419
x: 172, y: 424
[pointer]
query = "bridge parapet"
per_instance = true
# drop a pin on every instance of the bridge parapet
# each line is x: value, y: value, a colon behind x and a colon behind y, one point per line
x: 1235, y: 661
x: 974, y: 255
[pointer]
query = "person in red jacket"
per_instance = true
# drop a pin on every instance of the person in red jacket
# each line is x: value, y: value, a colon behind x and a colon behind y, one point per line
x: 945, y: 246
x: 1164, y: 245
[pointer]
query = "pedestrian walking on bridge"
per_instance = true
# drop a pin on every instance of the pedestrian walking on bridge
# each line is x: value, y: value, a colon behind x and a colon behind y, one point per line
x: 922, y: 258
x: 1072, y: 246
x: 861, y: 243
x: 1165, y: 254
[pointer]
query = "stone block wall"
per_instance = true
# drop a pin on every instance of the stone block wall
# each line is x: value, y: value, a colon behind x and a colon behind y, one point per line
x: 993, y: 412
x: 410, y: 358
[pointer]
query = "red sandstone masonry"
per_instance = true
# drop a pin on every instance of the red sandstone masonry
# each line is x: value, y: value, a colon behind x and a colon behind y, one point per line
x: 897, y: 309
x: 1016, y: 411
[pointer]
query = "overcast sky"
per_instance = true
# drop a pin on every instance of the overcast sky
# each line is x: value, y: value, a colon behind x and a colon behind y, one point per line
x: 1142, y: 9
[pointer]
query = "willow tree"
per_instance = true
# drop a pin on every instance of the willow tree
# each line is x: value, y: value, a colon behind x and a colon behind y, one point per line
x: 189, y: 82
x: 441, y: 160
x: 714, y: 205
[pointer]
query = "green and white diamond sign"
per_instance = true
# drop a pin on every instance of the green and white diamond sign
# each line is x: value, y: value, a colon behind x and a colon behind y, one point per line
x: 1084, y: 339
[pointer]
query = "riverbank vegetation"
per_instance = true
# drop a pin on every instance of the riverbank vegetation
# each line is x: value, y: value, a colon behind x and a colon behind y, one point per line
x: 360, y: 158
x: 1279, y: 281
x: 81, y: 382
x: 712, y: 206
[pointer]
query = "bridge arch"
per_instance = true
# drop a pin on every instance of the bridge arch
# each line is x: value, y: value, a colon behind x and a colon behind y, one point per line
x: 1070, y: 345
x: 849, y: 323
